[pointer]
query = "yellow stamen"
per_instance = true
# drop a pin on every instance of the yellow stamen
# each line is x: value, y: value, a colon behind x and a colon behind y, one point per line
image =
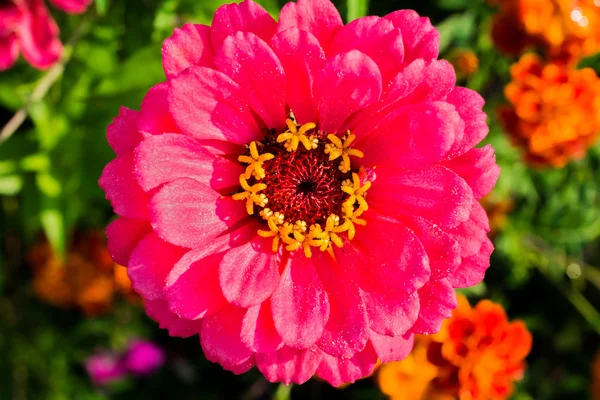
x: 255, y: 161
x: 294, y: 136
x: 251, y: 195
x: 337, y: 149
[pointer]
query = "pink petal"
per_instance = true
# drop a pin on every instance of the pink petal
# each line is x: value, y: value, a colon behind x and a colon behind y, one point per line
x: 249, y: 273
x: 469, y: 106
x: 122, y: 190
x: 300, y: 71
x: 428, y: 132
x: 243, y: 367
x: 391, y: 313
x: 38, y: 36
x: 346, y: 331
x: 192, y: 286
x: 385, y: 255
x: 289, y: 365
x: 72, y: 6
x: 392, y: 348
x: 375, y: 37
x: 187, y: 47
x: 206, y: 104
x: 258, y: 329
x: 300, y: 304
x: 9, y: 51
x: 337, y: 371
x: 437, y: 300
x: 159, y: 311
x: 472, y: 233
x: 221, y: 341
x: 319, y: 17
x: 164, y: 158
x: 154, y: 117
x: 123, y: 236
x: 421, y: 39
x: 472, y: 269
x: 122, y: 134
x: 478, y: 168
x: 188, y: 213
x: 150, y: 263
x: 348, y: 83
x: 443, y: 251
x: 247, y: 16
x: 435, y: 193
x: 250, y: 62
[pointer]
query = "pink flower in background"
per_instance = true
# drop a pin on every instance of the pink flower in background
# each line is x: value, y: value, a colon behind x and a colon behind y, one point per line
x: 302, y: 194
x: 27, y: 27
x: 105, y: 368
x: 143, y: 357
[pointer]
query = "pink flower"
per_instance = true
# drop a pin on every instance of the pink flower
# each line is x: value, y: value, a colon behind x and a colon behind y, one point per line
x: 143, y: 357
x: 302, y: 194
x: 105, y: 368
x: 26, y: 26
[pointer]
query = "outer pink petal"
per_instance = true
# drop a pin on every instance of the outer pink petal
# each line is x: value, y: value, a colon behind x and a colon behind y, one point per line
x: 150, y: 263
x: 319, y: 17
x: 164, y: 158
x: 300, y: 304
x: 72, y: 6
x: 188, y: 213
x: 391, y: 313
x: 159, y: 311
x: 346, y: 331
x: 9, y: 51
x: 221, y: 341
x: 207, y: 104
x: 377, y: 38
x: 392, y: 348
x: 250, y: 62
x: 443, y: 251
x: 122, y: 134
x: 348, y: 83
x: 427, y: 133
x: 38, y: 36
x: 421, y: 39
x: 472, y: 269
x: 347, y: 370
x: 289, y: 365
x: 385, y: 255
x: 435, y: 193
x: 247, y: 16
x: 478, y: 168
x: 437, y: 300
x: 154, y: 117
x: 122, y: 190
x: 300, y: 71
x: 123, y: 236
x: 187, y: 47
x: 192, y: 286
x: 472, y: 233
x: 469, y: 105
x: 249, y: 273
x: 258, y: 329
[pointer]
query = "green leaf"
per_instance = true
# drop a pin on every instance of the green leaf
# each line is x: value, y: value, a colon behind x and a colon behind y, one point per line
x: 591, y: 62
x: 455, y: 28
x: 48, y: 184
x: 102, y: 6
x: 35, y: 162
x: 357, y: 9
x: 53, y: 223
x: 10, y: 184
x: 452, y: 4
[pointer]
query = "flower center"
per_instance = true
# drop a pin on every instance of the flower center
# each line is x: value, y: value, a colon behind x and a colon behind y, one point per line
x: 308, y: 193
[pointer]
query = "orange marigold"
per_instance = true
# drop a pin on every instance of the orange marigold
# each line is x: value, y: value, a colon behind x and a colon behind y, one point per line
x: 497, y: 211
x: 477, y: 355
x: 87, y: 278
x: 554, y: 111
x: 465, y: 62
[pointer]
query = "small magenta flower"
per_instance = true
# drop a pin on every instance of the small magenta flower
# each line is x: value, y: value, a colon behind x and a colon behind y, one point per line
x: 143, y: 357
x: 302, y: 194
x: 104, y: 368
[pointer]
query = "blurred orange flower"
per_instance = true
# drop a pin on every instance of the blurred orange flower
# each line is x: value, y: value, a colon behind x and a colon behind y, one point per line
x: 566, y: 29
x: 554, y: 111
x: 477, y: 355
x: 87, y: 279
x: 465, y: 62
x: 497, y: 211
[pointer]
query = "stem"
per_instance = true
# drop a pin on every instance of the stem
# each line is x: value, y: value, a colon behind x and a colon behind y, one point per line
x: 44, y: 85
x: 283, y: 392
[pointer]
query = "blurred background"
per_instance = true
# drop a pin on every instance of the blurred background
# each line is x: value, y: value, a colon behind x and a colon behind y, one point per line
x: 70, y: 326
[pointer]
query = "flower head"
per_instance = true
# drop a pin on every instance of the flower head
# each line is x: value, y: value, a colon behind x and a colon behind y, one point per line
x: 477, y: 355
x: 302, y: 194
x: 105, y: 368
x: 143, y: 357
x: 27, y: 27
x: 465, y: 62
x: 554, y: 111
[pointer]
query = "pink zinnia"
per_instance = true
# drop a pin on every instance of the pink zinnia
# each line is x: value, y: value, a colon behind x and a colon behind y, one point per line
x: 27, y: 27
x: 301, y: 193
